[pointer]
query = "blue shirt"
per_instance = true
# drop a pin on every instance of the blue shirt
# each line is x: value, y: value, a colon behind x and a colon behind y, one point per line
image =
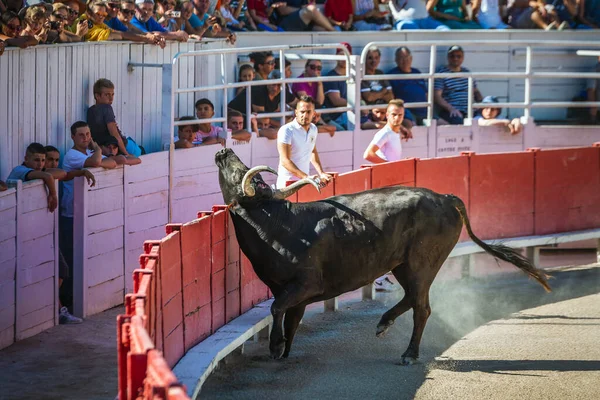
x: 196, y: 22
x: 116, y: 25
x: 149, y: 26
x: 330, y: 87
x: 20, y: 173
x: 454, y: 90
x: 410, y: 90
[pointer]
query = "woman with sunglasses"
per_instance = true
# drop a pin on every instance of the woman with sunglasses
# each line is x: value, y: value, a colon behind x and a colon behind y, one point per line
x: 36, y: 20
x: 10, y: 31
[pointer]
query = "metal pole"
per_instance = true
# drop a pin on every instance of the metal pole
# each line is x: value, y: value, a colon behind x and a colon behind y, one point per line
x: 527, y: 113
x: 168, y: 87
x: 430, y: 82
x: 225, y: 99
x: 282, y: 99
x: 470, y: 98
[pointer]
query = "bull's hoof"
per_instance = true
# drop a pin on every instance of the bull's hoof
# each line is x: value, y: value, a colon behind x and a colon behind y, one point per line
x: 382, y: 329
x: 408, y: 360
x: 277, y: 349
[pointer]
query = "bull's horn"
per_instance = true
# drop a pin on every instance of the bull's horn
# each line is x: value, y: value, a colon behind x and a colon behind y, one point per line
x: 281, y: 194
x: 247, y: 187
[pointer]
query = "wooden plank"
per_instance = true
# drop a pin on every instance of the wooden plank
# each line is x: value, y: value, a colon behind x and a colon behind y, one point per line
x: 35, y: 296
x: 106, y: 178
x: 148, y: 220
x: 35, y: 224
x: 104, y: 267
x: 153, y: 166
x: 8, y: 221
x: 105, y: 200
x: 105, y: 221
x: 35, y: 318
x: 41, y: 97
x: 147, y: 187
x: 35, y: 196
x: 7, y: 314
x: 8, y: 199
x: 37, y: 274
x: 103, y: 242
x: 6, y: 162
x: 145, y: 203
x: 37, y: 251
x: 8, y: 250
x: 105, y: 295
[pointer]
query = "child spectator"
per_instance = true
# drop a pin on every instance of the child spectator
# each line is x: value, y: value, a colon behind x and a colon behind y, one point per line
x: 53, y: 161
x: 235, y: 125
x: 85, y: 153
x: 185, y: 134
x: 489, y: 14
x: 110, y: 149
x: 489, y: 117
x: 246, y: 74
x: 103, y: 124
x: 208, y: 133
x: 340, y: 14
x: 33, y: 168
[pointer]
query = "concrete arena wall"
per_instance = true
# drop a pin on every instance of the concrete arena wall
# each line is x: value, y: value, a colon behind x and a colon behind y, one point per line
x: 197, y: 279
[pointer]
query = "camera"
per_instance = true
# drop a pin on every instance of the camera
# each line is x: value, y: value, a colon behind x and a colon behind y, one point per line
x: 54, y: 25
x: 90, y: 24
x: 176, y: 14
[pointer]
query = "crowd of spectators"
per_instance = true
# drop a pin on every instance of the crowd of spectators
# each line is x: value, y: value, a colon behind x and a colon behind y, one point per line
x: 147, y: 21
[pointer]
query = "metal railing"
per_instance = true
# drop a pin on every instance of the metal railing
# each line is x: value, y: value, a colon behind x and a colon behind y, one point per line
x: 528, y: 75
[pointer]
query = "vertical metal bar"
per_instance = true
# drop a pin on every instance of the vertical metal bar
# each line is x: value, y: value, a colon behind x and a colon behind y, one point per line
x: 225, y: 98
x: 470, y: 98
x: 169, y: 86
x: 248, y: 108
x: 527, y: 99
x: 432, y: 62
x: 283, y: 92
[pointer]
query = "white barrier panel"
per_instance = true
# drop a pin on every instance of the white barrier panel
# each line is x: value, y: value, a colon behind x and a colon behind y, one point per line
x: 28, y: 263
x: 8, y: 265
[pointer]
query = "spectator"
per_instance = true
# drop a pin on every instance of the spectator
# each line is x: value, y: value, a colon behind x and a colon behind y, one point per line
x: 590, y: 10
x: 33, y: 168
x: 265, y: 99
x: 312, y: 69
x: 412, y: 14
x: 173, y: 23
x: 11, y: 32
x: 489, y: 117
x: 525, y: 14
x: 77, y: 158
x: 260, y: 12
x: 72, y: 24
x: 145, y: 22
x: 373, y: 119
x: 58, y: 32
x: 3, y: 186
x: 452, y: 13
x: 231, y: 15
x: 290, y: 98
x: 103, y: 124
x: 263, y: 64
x: 451, y: 94
x: 112, y: 20
x: 11, y: 5
x: 186, y: 133
x: 488, y: 14
x: 300, y: 16
x: 367, y: 16
x: 52, y: 157
x: 340, y: 14
x: 206, y: 24
x: 36, y: 21
x: 336, y: 93
x: 52, y: 164
x: 235, y: 125
x: 572, y: 14
x: 264, y: 128
x: 208, y: 133
x: 375, y: 91
x: 110, y: 149
x: 409, y: 90
x: 245, y: 74
x: 593, y: 94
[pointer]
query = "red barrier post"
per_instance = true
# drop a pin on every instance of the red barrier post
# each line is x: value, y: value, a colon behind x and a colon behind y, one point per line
x: 353, y: 181
x: 218, y: 240
x: 392, y: 173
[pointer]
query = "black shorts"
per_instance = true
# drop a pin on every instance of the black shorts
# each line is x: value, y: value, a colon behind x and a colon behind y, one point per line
x: 293, y: 23
x: 63, y: 267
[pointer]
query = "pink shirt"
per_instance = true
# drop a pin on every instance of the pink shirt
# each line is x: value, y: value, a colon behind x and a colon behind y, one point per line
x: 309, y: 87
x: 215, y: 131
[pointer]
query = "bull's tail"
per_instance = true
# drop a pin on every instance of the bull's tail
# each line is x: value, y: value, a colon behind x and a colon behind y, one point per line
x: 502, y: 252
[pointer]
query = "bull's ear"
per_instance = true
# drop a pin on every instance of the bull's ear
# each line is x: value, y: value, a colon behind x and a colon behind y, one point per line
x: 247, y: 187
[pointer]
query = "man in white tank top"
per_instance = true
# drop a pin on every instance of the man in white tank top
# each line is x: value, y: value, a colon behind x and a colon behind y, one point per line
x: 386, y: 145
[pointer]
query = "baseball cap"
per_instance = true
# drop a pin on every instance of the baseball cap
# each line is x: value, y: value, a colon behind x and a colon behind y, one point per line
x: 490, y: 99
x: 275, y: 74
x: 111, y: 140
x: 455, y: 48
x: 347, y: 46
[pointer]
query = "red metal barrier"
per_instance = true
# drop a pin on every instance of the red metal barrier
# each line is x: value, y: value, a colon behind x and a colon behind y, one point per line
x: 353, y: 181
x: 392, y: 173
x: 253, y: 290
x: 232, y: 274
x: 309, y: 193
x: 567, y: 189
x: 219, y: 235
x: 501, y: 195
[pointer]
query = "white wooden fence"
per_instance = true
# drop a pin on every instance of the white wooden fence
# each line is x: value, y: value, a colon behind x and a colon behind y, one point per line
x: 28, y: 262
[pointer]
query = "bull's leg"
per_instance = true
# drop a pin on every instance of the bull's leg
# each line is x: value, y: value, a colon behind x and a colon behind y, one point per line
x: 292, y: 319
x: 289, y: 297
x: 421, y: 312
x: 407, y: 302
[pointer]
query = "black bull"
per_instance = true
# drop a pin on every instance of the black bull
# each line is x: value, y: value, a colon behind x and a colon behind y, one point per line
x: 308, y: 252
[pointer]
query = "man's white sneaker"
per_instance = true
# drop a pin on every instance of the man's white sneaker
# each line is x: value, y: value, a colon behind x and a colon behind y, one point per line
x: 65, y: 318
x: 385, y: 285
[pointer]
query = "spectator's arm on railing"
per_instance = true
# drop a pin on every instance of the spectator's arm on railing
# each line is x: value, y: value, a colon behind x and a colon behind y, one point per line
x: 114, y: 132
x: 475, y: 8
x: 440, y: 101
x: 3, y: 186
x: 95, y: 160
x: 49, y: 182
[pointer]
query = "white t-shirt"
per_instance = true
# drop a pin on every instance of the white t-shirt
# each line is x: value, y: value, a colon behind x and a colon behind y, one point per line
x: 74, y: 160
x: 228, y: 16
x: 303, y: 143
x: 388, y: 141
x: 408, y: 10
x: 489, y: 15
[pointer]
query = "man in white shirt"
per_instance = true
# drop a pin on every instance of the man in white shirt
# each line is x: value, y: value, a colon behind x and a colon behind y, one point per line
x: 296, y: 144
x: 386, y: 145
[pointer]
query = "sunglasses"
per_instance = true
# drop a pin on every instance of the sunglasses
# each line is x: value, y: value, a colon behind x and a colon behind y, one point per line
x: 72, y: 12
x: 315, y: 67
x: 101, y: 15
x: 127, y: 12
x: 59, y: 17
x: 13, y: 27
x: 269, y: 62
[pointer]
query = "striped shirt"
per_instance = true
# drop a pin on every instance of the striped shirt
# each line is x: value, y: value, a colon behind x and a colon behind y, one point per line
x: 454, y: 90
